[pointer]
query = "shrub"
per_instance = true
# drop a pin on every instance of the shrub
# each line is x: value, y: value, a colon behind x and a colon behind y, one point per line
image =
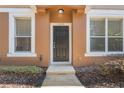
x: 114, y: 66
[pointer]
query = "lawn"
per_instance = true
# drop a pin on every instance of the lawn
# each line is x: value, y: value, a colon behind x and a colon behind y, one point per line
x: 21, y: 76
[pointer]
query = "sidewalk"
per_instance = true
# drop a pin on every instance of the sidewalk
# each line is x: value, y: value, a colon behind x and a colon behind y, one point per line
x: 61, y: 75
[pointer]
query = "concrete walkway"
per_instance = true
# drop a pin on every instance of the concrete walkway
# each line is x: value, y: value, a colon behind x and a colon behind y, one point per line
x: 61, y: 75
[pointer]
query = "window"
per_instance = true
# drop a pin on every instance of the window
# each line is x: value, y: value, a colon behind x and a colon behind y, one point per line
x: 115, y: 34
x: 97, y: 34
x: 106, y: 35
x: 21, y: 35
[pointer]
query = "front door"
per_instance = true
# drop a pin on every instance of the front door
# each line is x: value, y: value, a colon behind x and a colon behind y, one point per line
x: 60, y: 43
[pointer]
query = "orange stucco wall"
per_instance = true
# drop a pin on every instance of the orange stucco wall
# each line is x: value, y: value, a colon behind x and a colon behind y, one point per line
x: 61, y: 18
x: 42, y: 39
x: 41, y: 42
x: 3, y: 35
x: 79, y: 42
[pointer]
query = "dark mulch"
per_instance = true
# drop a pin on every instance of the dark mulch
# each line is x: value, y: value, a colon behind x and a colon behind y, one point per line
x: 91, y: 77
x: 21, y: 80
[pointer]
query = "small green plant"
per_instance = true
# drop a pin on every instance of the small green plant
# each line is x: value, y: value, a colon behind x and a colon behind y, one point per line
x: 21, y: 69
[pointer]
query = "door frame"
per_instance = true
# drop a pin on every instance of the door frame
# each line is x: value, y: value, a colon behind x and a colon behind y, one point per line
x: 51, y: 42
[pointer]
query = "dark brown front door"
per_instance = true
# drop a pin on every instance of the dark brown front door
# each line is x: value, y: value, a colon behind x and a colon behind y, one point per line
x: 60, y: 43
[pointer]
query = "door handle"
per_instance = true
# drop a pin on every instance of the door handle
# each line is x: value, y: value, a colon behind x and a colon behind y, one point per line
x: 54, y: 44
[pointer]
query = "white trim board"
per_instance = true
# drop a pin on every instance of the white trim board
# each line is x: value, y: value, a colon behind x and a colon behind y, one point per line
x: 51, y: 42
x: 16, y: 10
x: 22, y: 55
x: 101, y: 12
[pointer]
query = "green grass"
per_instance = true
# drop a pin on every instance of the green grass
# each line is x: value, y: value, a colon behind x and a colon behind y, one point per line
x: 21, y: 69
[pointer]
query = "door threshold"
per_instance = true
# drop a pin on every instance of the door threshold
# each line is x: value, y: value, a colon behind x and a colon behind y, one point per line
x: 59, y: 63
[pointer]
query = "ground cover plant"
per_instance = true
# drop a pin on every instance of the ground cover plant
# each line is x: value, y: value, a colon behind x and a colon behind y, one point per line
x: 21, y: 76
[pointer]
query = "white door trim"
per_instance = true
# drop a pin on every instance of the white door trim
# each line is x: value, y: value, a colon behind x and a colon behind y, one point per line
x: 51, y: 42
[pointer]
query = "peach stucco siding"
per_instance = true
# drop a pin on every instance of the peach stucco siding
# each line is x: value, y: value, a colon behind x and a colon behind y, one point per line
x: 4, y: 35
x: 79, y: 42
x: 42, y: 39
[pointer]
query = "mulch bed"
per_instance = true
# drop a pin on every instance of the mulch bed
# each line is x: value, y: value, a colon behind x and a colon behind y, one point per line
x: 21, y: 80
x: 91, y: 77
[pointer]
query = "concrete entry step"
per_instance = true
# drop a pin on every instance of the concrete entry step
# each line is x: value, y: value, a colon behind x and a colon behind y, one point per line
x: 61, y: 75
x: 60, y: 69
x: 61, y: 80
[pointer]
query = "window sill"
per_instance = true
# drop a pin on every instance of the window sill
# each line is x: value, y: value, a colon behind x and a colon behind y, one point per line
x: 103, y: 54
x: 22, y: 55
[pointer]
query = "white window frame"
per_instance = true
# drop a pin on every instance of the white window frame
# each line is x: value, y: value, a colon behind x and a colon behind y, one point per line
x: 12, y: 16
x: 102, y: 14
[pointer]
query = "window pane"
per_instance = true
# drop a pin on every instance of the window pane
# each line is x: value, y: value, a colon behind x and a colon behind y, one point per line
x: 97, y: 27
x: 115, y: 27
x: 97, y: 44
x: 23, y: 27
x: 23, y: 44
x: 115, y: 44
